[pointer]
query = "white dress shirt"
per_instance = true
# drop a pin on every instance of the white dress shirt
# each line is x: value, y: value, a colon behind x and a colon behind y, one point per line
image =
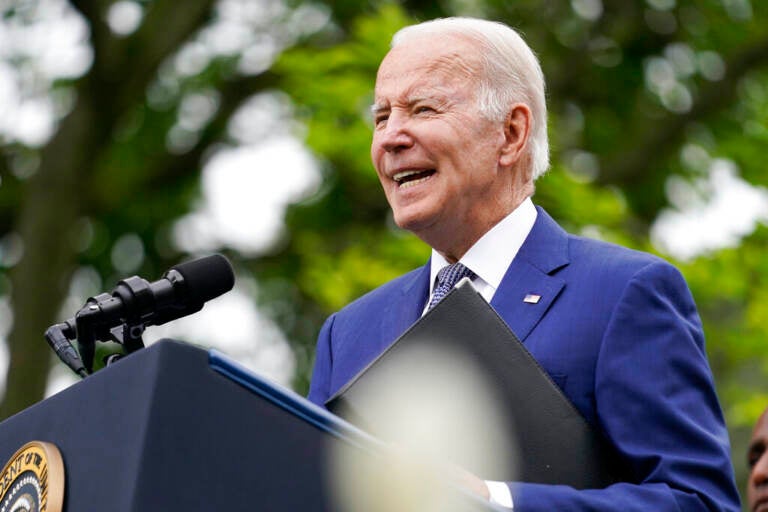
x: 491, y: 256
x: 489, y: 259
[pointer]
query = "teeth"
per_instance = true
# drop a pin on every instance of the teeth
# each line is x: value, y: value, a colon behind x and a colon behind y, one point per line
x: 413, y: 182
x: 402, y: 175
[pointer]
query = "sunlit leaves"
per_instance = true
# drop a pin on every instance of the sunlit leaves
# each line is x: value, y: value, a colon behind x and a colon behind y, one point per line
x: 335, y: 279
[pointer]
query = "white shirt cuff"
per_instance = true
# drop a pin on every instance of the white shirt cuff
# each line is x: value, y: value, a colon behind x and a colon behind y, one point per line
x: 500, y: 494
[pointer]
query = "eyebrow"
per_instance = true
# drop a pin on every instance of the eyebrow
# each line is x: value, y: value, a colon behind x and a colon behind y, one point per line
x: 378, y: 107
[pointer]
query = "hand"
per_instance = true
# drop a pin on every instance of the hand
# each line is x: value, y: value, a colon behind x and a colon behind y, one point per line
x: 470, y: 482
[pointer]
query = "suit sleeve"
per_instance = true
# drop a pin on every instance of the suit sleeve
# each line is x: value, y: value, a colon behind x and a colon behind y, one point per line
x: 656, y: 403
x: 320, y: 385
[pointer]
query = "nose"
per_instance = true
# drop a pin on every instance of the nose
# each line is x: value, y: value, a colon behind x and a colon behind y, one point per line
x: 394, y: 135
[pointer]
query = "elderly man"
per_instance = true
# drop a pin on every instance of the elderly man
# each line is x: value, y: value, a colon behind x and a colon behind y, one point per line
x: 757, y: 458
x: 459, y: 138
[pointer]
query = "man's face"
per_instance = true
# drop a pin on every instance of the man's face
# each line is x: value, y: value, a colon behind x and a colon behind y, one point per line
x: 757, y: 456
x: 436, y: 156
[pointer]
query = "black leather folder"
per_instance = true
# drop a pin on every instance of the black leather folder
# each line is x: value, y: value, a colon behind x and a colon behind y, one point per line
x: 555, y: 444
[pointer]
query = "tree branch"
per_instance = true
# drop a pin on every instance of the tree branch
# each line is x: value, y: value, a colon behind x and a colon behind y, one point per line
x: 662, y: 136
x: 53, y: 197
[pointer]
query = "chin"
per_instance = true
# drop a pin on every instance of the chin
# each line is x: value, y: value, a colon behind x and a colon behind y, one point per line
x: 413, y: 223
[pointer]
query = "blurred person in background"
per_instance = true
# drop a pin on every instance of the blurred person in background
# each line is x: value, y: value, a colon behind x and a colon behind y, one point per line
x: 757, y: 459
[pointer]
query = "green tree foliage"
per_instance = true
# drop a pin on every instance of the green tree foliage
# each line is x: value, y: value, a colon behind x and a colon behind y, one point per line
x: 651, y: 102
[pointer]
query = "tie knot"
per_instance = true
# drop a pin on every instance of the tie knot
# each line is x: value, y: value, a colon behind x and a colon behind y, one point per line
x: 447, y: 279
x: 451, y: 274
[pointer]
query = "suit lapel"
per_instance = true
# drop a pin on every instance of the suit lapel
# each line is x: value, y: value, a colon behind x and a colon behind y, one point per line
x: 402, y: 312
x: 544, y: 251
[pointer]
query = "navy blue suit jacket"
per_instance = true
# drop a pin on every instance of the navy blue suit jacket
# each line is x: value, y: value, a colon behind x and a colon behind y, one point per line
x: 618, y: 331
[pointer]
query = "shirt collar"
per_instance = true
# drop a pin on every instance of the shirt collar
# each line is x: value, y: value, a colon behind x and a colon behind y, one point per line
x: 492, y: 254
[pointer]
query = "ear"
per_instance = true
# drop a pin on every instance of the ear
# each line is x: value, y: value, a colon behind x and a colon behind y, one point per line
x: 517, y: 129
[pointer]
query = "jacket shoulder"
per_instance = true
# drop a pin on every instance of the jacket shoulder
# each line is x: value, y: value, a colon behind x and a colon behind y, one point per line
x: 612, y: 256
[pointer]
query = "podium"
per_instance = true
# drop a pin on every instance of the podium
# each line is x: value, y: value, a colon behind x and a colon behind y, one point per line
x: 174, y: 427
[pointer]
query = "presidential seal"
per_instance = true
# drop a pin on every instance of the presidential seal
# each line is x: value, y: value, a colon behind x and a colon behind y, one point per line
x: 33, y: 480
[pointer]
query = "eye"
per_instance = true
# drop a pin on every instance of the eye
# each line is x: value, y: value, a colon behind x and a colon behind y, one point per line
x: 754, y: 456
x: 424, y: 109
x: 380, y: 118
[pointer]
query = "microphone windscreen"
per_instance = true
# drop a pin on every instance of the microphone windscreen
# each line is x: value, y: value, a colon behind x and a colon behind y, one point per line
x: 206, y: 278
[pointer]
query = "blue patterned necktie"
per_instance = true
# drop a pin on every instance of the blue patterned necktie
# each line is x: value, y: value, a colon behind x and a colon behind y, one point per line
x: 447, y: 279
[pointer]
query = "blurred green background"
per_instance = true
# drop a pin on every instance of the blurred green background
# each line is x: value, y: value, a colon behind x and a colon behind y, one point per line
x: 136, y: 134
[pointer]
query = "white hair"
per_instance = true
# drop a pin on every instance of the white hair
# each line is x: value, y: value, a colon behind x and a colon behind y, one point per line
x: 511, y: 74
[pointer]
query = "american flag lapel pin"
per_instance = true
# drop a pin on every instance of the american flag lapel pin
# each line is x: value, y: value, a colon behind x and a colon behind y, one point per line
x: 532, y: 298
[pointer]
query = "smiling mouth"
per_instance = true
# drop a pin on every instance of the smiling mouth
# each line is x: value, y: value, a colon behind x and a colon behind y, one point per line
x: 410, y: 178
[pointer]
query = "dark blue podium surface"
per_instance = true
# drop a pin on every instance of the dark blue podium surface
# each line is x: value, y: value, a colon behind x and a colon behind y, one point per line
x: 174, y: 427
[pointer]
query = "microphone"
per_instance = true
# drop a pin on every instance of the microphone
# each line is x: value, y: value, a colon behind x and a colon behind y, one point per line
x: 135, y: 304
x: 182, y: 290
